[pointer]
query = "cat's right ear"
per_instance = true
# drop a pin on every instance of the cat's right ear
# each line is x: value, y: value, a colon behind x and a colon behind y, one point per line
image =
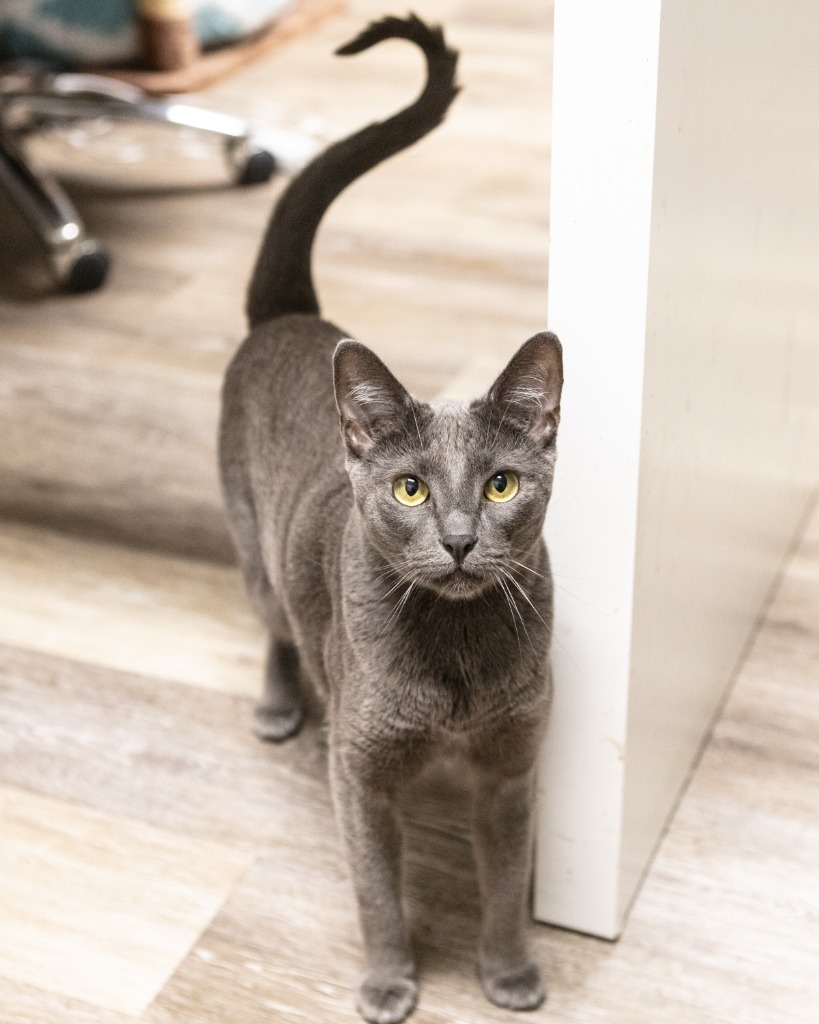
x: 371, y: 403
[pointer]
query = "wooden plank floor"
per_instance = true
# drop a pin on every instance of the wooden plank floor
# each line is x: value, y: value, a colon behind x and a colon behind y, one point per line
x: 158, y: 863
x: 144, y: 826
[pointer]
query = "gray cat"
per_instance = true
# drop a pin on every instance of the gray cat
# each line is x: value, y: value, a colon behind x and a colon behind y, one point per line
x: 401, y: 573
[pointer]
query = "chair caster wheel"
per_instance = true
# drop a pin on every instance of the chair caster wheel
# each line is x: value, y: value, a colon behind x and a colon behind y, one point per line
x: 259, y: 168
x: 251, y: 165
x: 80, y: 266
x: 87, y: 272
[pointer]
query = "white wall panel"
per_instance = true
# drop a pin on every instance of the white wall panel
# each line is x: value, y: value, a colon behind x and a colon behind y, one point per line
x: 683, y: 283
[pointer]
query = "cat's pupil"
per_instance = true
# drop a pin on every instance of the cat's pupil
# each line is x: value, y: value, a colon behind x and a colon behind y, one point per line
x: 499, y: 482
x: 411, y: 486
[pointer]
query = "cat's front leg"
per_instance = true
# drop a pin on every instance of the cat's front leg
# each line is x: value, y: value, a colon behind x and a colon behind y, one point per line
x: 369, y: 825
x: 503, y: 842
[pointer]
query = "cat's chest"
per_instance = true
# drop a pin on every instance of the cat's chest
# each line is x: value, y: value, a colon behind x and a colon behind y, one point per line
x: 452, y: 691
x: 442, y: 669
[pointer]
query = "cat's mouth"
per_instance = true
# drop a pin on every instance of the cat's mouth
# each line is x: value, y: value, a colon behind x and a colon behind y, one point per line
x: 458, y: 583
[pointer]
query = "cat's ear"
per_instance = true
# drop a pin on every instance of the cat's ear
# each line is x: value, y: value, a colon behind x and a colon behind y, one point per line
x: 527, y: 393
x: 371, y: 403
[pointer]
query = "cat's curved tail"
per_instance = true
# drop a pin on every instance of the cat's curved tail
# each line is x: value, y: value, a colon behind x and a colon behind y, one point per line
x: 282, y: 280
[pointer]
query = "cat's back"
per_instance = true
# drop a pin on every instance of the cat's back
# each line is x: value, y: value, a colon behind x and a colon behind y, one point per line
x: 281, y: 456
x: 278, y: 406
x: 286, y: 490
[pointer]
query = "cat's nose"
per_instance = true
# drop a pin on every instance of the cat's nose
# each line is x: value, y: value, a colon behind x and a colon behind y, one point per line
x: 459, y: 545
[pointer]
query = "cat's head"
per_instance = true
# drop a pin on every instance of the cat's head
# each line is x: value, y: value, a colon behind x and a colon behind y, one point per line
x: 452, y: 494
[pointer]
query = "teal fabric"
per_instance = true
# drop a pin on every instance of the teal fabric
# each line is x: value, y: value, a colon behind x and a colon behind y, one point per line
x: 70, y: 32
x: 216, y: 25
x: 101, y: 17
x: 16, y: 41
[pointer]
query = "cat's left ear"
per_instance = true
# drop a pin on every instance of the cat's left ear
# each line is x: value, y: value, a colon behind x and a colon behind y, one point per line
x: 371, y: 403
x: 528, y: 391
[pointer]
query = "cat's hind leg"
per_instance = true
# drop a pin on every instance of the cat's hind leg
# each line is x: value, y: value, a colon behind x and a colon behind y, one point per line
x: 281, y: 710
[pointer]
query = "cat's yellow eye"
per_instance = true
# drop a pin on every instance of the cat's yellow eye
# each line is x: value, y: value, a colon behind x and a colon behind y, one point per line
x: 410, y: 490
x: 502, y: 486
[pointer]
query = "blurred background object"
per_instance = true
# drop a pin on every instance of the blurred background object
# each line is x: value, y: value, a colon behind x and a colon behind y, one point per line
x: 144, y: 40
x: 32, y: 102
x: 157, y: 34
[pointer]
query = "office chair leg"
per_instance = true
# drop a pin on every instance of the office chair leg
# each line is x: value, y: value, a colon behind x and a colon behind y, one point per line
x: 249, y: 162
x: 69, y: 96
x: 78, y: 262
x: 31, y: 101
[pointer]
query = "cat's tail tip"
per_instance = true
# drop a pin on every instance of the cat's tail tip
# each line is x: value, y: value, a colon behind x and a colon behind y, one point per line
x: 429, y: 37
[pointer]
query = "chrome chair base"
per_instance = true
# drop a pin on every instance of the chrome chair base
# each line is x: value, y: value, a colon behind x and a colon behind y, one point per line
x: 30, y: 102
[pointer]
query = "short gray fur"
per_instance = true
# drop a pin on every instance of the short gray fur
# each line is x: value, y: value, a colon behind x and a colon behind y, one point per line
x: 413, y: 647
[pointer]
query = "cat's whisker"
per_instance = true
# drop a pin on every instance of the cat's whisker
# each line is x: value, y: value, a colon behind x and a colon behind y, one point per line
x: 558, y: 586
x: 384, y: 574
x: 528, y: 568
x: 405, y: 598
x: 508, y: 601
x: 500, y: 422
x: 417, y: 428
x: 522, y: 620
x: 395, y: 586
x: 398, y: 583
x: 489, y: 424
x: 588, y: 604
x: 514, y: 605
x: 526, y: 597
x: 394, y: 614
x: 528, y: 600
x: 393, y: 567
x: 548, y: 627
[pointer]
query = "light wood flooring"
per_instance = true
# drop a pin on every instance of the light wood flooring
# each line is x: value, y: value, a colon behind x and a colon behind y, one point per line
x: 157, y: 862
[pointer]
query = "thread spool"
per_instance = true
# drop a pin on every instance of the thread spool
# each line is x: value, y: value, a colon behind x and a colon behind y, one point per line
x: 166, y: 34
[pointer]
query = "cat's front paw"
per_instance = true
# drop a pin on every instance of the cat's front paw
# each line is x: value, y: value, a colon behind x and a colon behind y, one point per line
x: 386, y: 1000
x: 516, y: 988
x: 274, y: 726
